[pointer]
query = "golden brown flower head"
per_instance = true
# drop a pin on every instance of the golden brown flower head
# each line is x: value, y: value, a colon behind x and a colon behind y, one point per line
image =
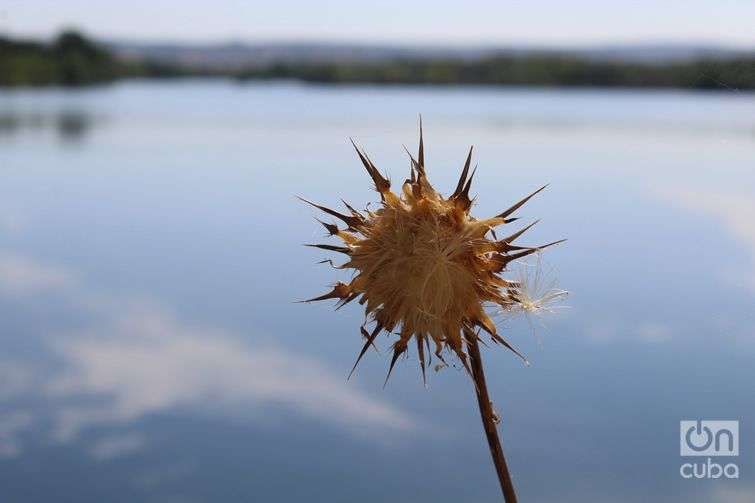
x: 423, y: 266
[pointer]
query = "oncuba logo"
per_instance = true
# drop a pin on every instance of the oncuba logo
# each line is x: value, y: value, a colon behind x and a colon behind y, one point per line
x: 709, y: 439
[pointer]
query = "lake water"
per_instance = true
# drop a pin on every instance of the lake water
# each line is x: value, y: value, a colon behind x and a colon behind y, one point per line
x: 150, y: 257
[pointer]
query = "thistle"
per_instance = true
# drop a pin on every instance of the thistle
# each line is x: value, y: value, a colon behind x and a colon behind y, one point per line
x: 537, y: 295
x: 426, y: 269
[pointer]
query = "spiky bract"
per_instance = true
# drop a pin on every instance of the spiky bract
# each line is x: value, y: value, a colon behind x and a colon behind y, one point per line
x: 423, y: 266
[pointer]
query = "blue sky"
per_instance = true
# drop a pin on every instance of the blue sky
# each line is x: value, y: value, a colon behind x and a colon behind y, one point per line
x: 445, y: 22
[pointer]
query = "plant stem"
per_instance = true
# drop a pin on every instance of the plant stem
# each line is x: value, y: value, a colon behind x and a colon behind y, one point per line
x: 488, y: 419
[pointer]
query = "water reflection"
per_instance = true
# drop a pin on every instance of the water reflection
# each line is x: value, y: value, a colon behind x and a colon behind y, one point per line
x: 71, y: 126
x: 139, y: 360
x: 151, y: 349
x: 734, y: 209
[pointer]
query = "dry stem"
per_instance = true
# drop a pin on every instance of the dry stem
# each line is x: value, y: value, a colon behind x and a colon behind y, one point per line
x: 488, y: 419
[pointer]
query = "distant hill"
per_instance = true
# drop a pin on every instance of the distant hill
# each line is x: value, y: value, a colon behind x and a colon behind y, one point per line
x: 236, y: 56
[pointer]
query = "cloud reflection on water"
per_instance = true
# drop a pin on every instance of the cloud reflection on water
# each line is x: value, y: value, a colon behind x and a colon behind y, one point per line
x: 139, y: 360
x: 192, y: 205
x: 149, y: 363
x: 21, y: 276
x: 735, y: 211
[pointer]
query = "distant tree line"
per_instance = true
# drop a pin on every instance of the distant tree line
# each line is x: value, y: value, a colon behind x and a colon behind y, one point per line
x: 73, y: 60
x: 536, y: 70
x: 70, y: 60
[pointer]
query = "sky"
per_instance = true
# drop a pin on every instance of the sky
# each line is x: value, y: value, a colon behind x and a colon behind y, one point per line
x: 439, y: 22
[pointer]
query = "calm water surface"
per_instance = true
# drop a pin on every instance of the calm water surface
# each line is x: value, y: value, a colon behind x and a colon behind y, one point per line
x: 150, y: 259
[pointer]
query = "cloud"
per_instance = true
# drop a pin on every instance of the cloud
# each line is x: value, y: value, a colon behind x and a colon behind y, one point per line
x: 150, y: 363
x: 734, y: 495
x: 15, y: 379
x: 11, y: 424
x: 735, y: 211
x: 136, y: 359
x: 20, y: 276
x: 117, y: 445
x: 10, y: 223
x: 654, y: 332
x: 607, y: 330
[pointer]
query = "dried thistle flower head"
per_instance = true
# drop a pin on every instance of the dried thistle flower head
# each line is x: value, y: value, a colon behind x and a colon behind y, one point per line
x: 423, y: 266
